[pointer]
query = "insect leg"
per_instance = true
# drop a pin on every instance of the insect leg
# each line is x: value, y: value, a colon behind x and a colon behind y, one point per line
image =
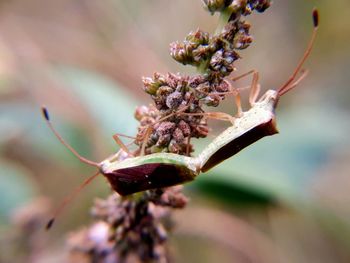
x: 121, y: 144
x: 146, y: 136
x: 255, y: 88
x: 243, y: 75
x: 214, y: 115
x: 188, y: 146
x: 238, y: 103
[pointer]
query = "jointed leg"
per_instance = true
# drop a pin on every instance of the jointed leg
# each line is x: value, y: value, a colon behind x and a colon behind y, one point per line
x: 243, y: 75
x: 144, y: 142
x: 120, y: 143
x: 214, y: 115
x: 188, y: 146
x: 255, y: 89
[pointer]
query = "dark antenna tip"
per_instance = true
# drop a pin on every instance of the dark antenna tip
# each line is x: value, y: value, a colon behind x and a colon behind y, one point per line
x: 50, y: 223
x: 315, y: 17
x: 45, y: 113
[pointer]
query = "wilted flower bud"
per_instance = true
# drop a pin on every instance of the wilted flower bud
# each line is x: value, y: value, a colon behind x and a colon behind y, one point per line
x: 200, y: 131
x: 212, y: 100
x: 174, y: 147
x: 197, y: 37
x: 166, y: 127
x: 222, y: 61
x: 203, y: 89
x: 259, y: 5
x: 140, y: 112
x: 223, y: 86
x: 178, y: 135
x: 185, y: 128
x: 216, y: 5
x: 149, y: 85
x: 178, y: 52
x: 242, y: 38
x: 174, y: 100
x: 163, y: 140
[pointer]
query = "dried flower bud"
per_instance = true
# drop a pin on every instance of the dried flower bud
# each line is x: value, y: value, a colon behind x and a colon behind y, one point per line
x: 185, y: 128
x: 203, y: 90
x: 242, y: 39
x: 194, y: 81
x: 200, y: 54
x: 259, y: 5
x: 222, y: 61
x: 216, y: 5
x: 163, y: 140
x: 229, y: 31
x: 193, y: 50
x: 197, y: 38
x: 223, y: 86
x: 165, y: 127
x: 200, y: 131
x: 176, y: 80
x: 173, y: 101
x: 140, y: 112
x: 178, y: 52
x: 149, y: 85
x: 212, y: 100
x: 174, y: 147
x: 178, y: 135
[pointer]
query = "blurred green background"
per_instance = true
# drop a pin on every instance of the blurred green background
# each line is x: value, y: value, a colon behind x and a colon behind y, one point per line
x: 284, y: 199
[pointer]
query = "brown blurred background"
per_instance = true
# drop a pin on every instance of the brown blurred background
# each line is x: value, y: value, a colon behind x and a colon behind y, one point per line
x: 285, y: 199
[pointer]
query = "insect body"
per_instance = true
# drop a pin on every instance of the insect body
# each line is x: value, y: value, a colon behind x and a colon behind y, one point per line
x: 148, y: 172
x: 135, y: 174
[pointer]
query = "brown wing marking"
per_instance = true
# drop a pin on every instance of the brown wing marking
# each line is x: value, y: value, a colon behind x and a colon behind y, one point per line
x: 248, y: 138
x: 148, y: 176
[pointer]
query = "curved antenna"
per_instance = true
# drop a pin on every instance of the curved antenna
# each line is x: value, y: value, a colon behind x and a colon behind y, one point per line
x: 70, y: 198
x: 289, y: 83
x: 59, y: 137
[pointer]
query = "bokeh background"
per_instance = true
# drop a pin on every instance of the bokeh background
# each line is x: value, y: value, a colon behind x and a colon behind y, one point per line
x: 284, y: 199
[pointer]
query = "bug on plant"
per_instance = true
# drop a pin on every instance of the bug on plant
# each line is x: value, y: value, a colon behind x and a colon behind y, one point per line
x: 135, y: 174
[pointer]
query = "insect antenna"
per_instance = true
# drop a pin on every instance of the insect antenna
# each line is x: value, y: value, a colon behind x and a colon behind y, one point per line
x: 69, y: 198
x: 59, y: 137
x: 289, y: 83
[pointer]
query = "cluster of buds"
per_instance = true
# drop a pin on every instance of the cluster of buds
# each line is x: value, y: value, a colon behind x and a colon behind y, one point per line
x: 216, y: 54
x: 177, y: 115
x: 213, y: 54
x: 128, y: 227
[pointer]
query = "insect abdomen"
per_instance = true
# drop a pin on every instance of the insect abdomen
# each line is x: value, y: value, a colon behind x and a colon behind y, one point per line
x: 135, y: 179
x: 236, y: 145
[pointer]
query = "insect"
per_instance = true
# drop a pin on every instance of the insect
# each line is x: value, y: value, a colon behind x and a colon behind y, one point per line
x: 135, y: 174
